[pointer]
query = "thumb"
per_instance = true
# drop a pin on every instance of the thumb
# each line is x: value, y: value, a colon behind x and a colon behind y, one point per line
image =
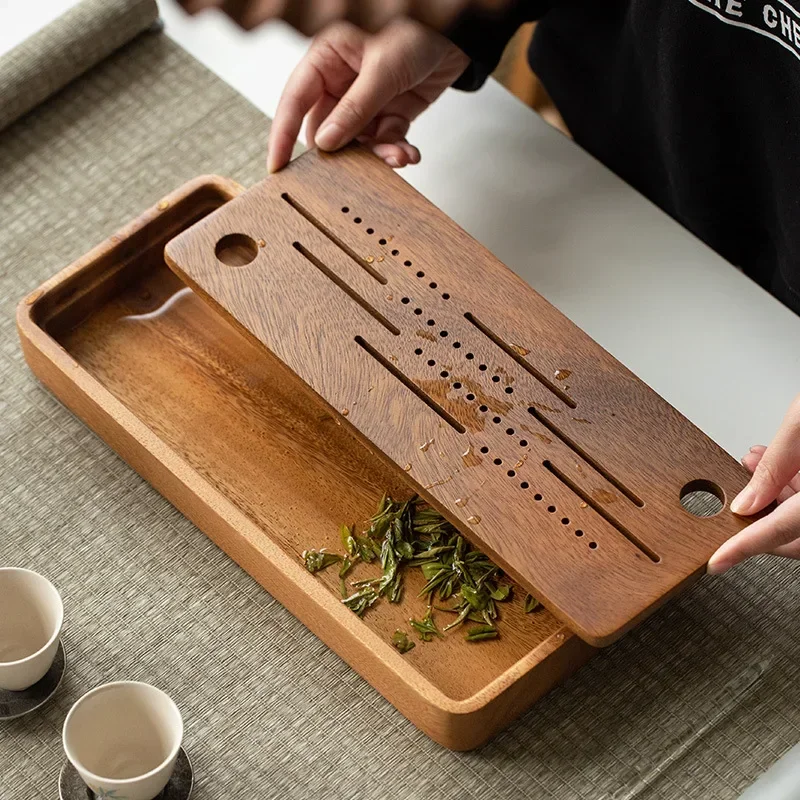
x: 777, y: 467
x: 372, y: 90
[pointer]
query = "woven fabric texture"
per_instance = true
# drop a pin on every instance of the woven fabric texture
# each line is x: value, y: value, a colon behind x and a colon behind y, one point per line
x: 65, y: 49
x: 695, y: 703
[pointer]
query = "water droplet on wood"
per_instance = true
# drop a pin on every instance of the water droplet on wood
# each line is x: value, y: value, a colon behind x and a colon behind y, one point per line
x: 390, y: 297
x: 581, y: 420
x: 562, y: 374
x: 474, y: 519
x: 584, y: 505
x: 262, y: 242
x: 345, y: 412
x: 425, y: 445
x: 462, y: 501
x: 164, y: 204
x: 519, y: 349
x: 407, y: 467
x: 380, y: 258
x: 370, y: 259
x: 604, y: 496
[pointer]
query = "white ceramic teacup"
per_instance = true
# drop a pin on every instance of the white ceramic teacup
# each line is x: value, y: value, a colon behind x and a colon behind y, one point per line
x: 31, y: 616
x: 124, y: 738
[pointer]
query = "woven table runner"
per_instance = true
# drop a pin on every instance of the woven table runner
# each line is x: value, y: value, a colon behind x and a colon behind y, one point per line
x: 695, y: 703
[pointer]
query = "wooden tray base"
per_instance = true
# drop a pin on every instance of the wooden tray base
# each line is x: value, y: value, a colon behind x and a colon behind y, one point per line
x: 152, y: 369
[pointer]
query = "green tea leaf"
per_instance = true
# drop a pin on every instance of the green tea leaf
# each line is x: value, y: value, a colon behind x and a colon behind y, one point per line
x: 501, y: 593
x: 480, y: 633
x: 348, y: 541
x: 426, y: 628
x: 316, y: 560
x: 531, y: 604
x: 401, y: 641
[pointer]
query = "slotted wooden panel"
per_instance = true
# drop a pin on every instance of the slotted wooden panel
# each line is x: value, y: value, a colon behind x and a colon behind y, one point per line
x: 542, y: 448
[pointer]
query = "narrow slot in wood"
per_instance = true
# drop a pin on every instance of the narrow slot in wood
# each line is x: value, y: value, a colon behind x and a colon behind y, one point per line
x: 348, y: 290
x: 589, y: 500
x: 593, y: 463
x: 409, y: 384
x: 307, y: 215
x: 506, y: 348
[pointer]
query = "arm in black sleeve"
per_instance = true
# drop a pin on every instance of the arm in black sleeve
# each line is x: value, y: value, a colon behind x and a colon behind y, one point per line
x: 483, y: 35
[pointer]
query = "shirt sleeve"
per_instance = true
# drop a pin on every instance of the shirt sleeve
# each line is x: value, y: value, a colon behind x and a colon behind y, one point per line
x: 483, y: 35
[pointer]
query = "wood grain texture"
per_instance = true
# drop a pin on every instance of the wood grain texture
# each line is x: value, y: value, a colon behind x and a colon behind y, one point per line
x: 548, y: 453
x: 215, y: 424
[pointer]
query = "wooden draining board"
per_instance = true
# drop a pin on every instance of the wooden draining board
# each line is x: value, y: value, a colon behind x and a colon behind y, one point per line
x: 543, y: 449
x: 210, y: 419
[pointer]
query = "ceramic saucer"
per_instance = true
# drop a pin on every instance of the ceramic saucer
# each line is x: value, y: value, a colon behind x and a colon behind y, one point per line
x: 71, y: 787
x: 16, y: 704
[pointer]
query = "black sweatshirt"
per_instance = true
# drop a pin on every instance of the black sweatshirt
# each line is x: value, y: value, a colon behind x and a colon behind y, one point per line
x: 695, y: 103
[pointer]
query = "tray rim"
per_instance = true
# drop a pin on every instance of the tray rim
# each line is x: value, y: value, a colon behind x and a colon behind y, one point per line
x: 64, y: 370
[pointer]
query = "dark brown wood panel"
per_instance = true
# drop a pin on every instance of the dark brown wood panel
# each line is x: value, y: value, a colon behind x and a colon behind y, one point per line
x: 546, y: 451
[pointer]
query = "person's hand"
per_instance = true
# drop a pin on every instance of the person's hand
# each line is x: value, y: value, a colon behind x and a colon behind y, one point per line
x: 355, y: 85
x: 775, y: 477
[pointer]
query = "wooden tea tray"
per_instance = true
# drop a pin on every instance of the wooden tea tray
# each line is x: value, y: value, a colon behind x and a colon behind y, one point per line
x: 544, y: 450
x: 149, y: 367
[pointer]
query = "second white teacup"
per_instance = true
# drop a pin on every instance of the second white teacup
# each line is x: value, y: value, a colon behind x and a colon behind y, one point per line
x: 31, y: 616
x: 123, y: 739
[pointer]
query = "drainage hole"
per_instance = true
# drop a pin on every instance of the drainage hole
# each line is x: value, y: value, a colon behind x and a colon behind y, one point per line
x: 579, y: 533
x: 443, y: 334
x: 420, y: 274
x: 407, y: 263
x: 483, y: 367
x: 431, y: 322
x: 433, y: 285
x: 523, y: 442
x: 484, y: 449
x: 524, y: 485
x: 395, y: 252
x: 470, y: 397
x: 456, y: 385
x: 495, y: 379
x: 565, y: 521
x: 357, y: 220
x: 509, y: 390
x: 470, y: 356
x: 456, y: 345
x: 345, y: 210
x: 418, y: 311
x: 405, y: 301
x: 537, y: 497
x: 484, y: 408
x: 431, y: 362
x: 498, y: 461
x: 444, y: 373
x: 593, y: 545
x: 445, y: 296
x: 382, y: 241
x: 510, y: 431
x: 511, y: 473
x: 496, y: 420
x: 551, y: 509
x: 418, y: 351
x: 370, y: 231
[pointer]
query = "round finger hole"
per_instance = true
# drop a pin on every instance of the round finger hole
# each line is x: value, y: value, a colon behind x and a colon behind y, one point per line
x: 236, y: 250
x: 702, y: 498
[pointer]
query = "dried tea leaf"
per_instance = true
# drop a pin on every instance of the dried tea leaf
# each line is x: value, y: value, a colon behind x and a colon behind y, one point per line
x: 426, y: 629
x: 480, y: 633
x: 531, y: 604
x: 402, y: 642
x: 316, y: 560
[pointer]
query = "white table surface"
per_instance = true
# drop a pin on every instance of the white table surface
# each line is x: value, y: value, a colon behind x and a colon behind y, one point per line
x: 709, y: 340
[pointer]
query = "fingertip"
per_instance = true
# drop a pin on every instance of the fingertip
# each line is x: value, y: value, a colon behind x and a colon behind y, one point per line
x: 718, y: 566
